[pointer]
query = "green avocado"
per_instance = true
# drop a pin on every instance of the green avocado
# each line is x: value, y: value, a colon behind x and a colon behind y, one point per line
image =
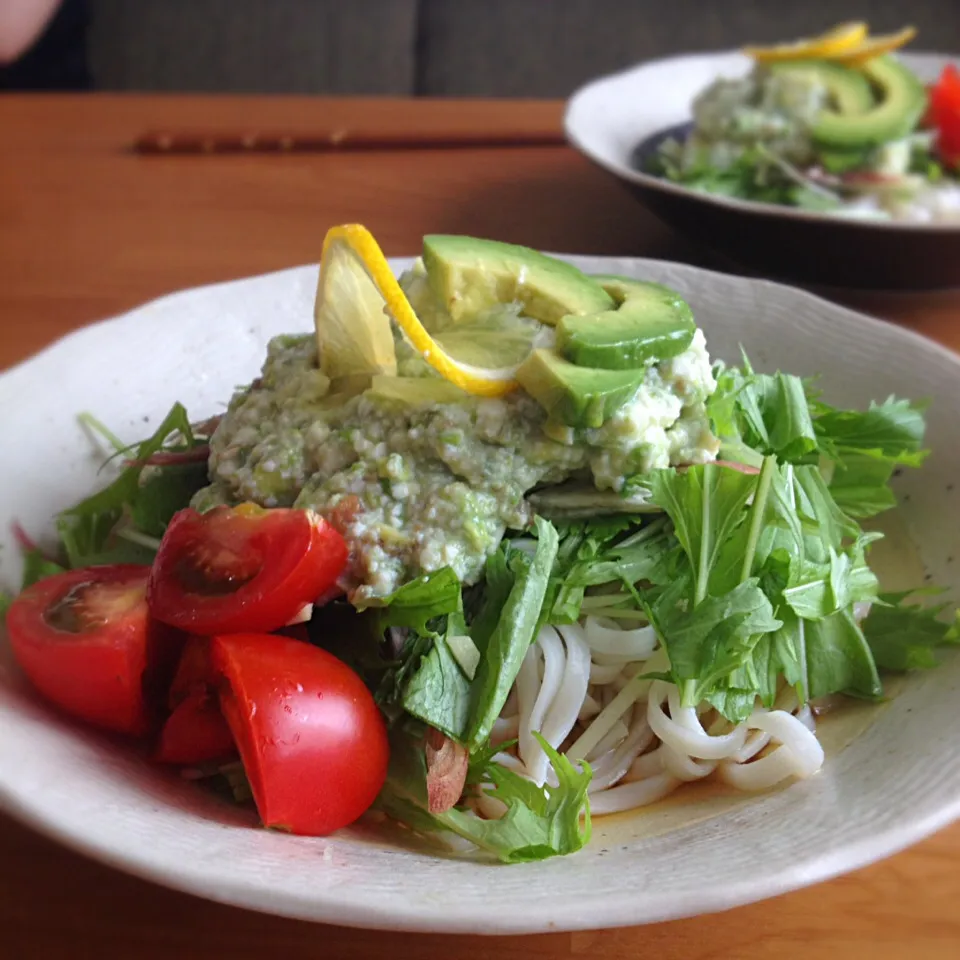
x: 470, y: 276
x: 902, y: 102
x: 417, y: 391
x: 651, y: 322
x: 849, y: 90
x: 576, y: 396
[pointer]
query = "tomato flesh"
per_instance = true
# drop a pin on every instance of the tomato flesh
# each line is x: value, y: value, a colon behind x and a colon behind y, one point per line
x: 194, y: 674
x: 196, y: 732
x: 311, y: 738
x: 86, y: 641
x: 944, y: 115
x: 243, y: 569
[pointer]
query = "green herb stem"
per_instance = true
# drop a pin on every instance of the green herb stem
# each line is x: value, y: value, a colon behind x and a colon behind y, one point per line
x: 703, y: 567
x: 102, y: 430
x: 757, y: 511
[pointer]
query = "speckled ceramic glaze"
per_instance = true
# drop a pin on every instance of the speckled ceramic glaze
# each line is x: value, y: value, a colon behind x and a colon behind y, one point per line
x: 896, y: 783
x: 608, y: 119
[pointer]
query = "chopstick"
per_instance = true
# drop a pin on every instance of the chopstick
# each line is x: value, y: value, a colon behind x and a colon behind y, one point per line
x: 219, y: 142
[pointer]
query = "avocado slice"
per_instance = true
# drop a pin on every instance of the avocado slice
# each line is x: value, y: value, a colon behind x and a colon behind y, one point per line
x: 902, y: 103
x: 849, y: 90
x: 576, y: 396
x: 470, y: 275
x: 651, y: 322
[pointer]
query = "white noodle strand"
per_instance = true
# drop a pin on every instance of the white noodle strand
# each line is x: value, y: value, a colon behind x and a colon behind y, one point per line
x: 799, y: 754
x: 562, y: 713
x: 613, y: 767
x: 554, y: 661
x: 629, y: 796
x: 605, y: 673
x: 684, y: 734
x: 606, y: 637
x: 636, y: 689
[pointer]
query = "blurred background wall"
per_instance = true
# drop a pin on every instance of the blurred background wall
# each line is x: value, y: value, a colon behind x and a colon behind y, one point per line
x: 496, y: 48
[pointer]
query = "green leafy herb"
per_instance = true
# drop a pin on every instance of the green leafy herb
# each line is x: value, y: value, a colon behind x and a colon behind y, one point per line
x: 838, y: 658
x: 892, y: 431
x: 708, y: 643
x: 596, y: 553
x: 417, y: 603
x: 166, y: 491
x: 515, y: 630
x: 706, y: 504
x: 904, y: 635
x: 88, y: 530
x: 438, y: 692
x: 539, y: 822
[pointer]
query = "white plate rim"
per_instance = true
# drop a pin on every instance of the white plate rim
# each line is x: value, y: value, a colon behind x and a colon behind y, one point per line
x: 579, y: 127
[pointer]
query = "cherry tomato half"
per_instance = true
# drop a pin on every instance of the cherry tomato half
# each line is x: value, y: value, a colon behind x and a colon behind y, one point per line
x: 312, y: 740
x: 242, y: 569
x: 196, y: 732
x: 86, y: 641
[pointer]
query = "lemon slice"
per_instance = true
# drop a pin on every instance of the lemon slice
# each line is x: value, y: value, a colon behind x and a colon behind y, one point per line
x: 828, y: 45
x: 353, y: 330
x: 354, y: 338
x: 875, y: 47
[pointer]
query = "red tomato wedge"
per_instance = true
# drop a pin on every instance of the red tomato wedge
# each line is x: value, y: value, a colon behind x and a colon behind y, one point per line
x: 196, y: 732
x: 86, y: 641
x: 194, y: 674
x: 312, y: 740
x: 944, y: 115
x: 242, y: 569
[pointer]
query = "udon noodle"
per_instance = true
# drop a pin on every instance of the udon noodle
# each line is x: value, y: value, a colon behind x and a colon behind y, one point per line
x: 585, y: 688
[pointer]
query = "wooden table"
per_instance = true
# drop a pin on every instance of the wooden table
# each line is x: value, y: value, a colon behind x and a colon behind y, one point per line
x: 87, y: 229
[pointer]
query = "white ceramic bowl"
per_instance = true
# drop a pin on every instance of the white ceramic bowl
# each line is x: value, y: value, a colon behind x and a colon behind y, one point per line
x: 609, y: 118
x: 898, y: 782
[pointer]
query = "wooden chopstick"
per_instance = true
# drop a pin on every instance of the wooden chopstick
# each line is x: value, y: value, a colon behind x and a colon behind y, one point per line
x: 218, y: 142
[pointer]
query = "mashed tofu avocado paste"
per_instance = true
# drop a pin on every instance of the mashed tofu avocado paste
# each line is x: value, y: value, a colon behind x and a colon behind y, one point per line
x: 418, y: 474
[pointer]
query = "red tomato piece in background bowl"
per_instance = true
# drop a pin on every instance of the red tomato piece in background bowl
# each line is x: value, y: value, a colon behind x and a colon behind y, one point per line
x: 311, y: 738
x: 87, y: 642
x: 944, y: 115
x: 243, y: 569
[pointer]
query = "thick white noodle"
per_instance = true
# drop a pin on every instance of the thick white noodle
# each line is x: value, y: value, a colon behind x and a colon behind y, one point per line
x: 613, y: 767
x: 490, y: 807
x: 606, y: 637
x: 799, y: 754
x: 647, y: 765
x: 755, y: 742
x: 591, y: 673
x: 505, y: 728
x: 628, y: 796
x: 605, y: 673
x: 683, y: 732
x: 554, y: 661
x: 614, y: 736
x: 617, y: 706
x: 562, y: 712
x: 511, y: 762
x: 684, y: 767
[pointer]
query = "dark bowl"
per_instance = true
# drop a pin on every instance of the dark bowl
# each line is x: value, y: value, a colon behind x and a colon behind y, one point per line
x: 618, y: 122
